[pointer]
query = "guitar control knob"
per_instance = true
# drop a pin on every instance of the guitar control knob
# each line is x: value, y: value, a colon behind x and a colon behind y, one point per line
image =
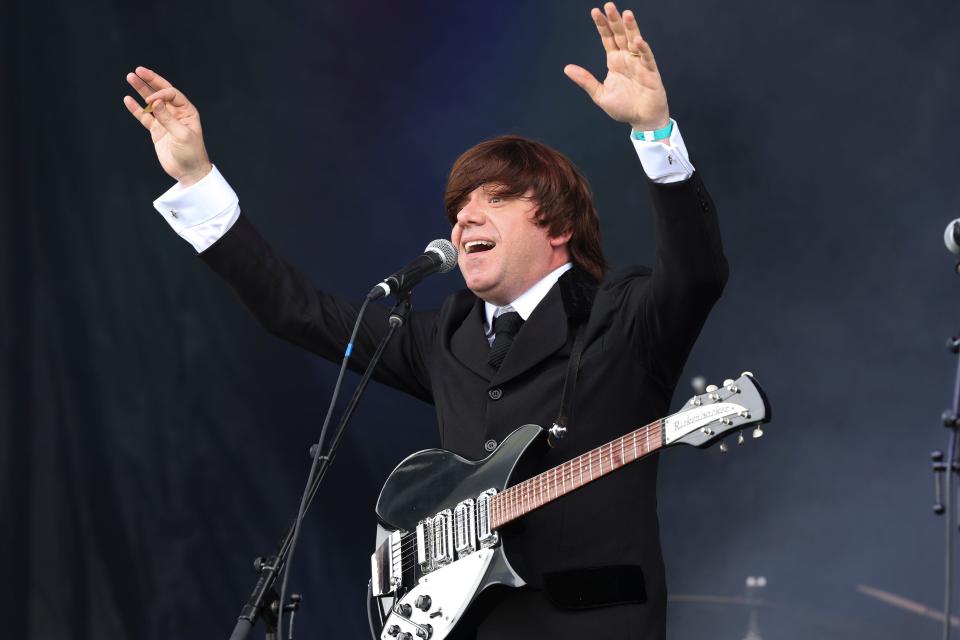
x: 393, y: 630
x: 405, y: 610
x: 425, y: 632
x: 404, y: 636
x: 423, y: 603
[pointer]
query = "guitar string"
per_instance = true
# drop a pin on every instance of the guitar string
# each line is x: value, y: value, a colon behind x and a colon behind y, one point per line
x: 514, y: 498
x: 550, y: 479
x: 408, y: 541
x: 513, y: 501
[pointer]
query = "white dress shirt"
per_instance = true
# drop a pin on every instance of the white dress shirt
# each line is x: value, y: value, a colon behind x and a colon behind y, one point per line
x: 204, y: 211
x: 526, y: 303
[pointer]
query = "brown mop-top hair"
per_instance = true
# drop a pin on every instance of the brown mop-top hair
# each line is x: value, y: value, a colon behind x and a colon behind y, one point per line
x: 513, y: 166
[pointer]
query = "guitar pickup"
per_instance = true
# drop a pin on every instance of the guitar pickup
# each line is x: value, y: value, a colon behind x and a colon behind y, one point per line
x: 442, y: 538
x: 485, y: 536
x: 425, y: 545
x: 465, y: 529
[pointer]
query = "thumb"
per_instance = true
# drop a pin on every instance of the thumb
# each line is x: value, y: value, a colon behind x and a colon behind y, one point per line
x: 584, y: 79
x: 169, y: 122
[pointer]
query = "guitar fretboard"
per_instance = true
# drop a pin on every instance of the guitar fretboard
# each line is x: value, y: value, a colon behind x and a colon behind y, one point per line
x: 522, y: 498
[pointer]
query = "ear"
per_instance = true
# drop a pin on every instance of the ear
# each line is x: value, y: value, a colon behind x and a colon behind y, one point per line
x: 560, y: 240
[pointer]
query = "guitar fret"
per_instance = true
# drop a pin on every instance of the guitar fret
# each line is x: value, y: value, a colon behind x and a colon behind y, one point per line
x: 551, y: 484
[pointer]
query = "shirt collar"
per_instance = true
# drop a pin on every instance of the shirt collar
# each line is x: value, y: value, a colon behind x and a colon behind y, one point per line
x: 528, y: 300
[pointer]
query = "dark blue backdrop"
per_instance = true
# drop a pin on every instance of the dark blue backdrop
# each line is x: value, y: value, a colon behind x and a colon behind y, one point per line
x: 152, y: 438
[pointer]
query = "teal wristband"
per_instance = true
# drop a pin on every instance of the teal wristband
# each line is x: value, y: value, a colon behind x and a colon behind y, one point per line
x: 653, y: 136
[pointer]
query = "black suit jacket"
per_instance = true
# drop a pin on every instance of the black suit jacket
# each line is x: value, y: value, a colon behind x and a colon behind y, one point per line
x: 641, y: 326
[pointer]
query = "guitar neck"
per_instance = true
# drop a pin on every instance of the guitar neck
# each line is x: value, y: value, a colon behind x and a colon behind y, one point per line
x: 522, y: 498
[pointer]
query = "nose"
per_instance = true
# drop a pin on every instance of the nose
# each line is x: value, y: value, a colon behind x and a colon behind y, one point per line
x: 471, y: 214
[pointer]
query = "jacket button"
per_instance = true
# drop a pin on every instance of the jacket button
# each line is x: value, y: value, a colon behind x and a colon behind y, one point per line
x: 490, y: 445
x: 495, y: 394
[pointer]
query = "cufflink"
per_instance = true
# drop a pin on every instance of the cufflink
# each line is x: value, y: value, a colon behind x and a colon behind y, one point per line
x: 173, y: 212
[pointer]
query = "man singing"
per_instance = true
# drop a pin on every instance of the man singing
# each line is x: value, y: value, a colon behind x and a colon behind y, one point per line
x: 495, y: 356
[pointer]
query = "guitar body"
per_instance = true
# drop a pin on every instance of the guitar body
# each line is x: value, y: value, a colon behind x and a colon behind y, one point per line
x: 429, y: 482
x: 439, y: 541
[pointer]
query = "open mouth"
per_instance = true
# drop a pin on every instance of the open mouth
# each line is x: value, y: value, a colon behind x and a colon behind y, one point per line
x: 477, y: 246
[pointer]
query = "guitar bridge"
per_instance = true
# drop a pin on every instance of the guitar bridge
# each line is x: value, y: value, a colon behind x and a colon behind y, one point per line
x: 386, y: 565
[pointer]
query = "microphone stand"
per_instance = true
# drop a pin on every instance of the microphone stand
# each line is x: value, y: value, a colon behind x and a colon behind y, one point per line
x: 264, y: 602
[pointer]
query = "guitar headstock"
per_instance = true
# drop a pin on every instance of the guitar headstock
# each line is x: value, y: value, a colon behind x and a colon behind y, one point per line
x: 719, y: 412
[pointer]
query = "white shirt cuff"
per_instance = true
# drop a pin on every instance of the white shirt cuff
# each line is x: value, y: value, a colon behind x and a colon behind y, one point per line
x: 202, y: 212
x: 664, y: 163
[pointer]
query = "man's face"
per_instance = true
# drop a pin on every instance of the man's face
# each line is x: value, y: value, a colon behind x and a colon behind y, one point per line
x: 502, y: 250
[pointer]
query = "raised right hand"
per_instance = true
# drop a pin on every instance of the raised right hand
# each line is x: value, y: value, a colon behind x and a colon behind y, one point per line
x: 174, y: 126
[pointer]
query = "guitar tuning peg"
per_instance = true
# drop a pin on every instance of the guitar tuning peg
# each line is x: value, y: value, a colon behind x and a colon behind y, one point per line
x: 758, y: 432
x: 746, y: 373
x: 740, y: 438
x: 711, y: 388
x: 723, y: 447
x: 728, y: 382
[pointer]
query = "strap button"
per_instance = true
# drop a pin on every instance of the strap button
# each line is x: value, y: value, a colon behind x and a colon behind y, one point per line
x: 490, y: 445
x: 495, y: 393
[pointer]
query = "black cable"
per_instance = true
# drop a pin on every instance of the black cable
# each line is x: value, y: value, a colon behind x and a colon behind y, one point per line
x: 304, y: 499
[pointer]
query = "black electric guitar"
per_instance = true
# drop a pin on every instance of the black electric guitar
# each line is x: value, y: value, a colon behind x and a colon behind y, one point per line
x: 438, y: 545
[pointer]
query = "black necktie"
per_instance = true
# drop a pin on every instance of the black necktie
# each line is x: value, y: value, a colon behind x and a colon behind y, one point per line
x: 505, y: 326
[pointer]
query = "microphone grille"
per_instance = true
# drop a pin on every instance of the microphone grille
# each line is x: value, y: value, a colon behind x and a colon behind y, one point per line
x: 951, y: 237
x: 447, y: 251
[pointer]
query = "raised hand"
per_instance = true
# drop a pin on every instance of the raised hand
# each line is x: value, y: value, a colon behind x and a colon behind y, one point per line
x: 632, y: 92
x: 174, y: 126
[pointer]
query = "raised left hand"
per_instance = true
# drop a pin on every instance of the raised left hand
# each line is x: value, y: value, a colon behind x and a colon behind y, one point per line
x: 632, y: 92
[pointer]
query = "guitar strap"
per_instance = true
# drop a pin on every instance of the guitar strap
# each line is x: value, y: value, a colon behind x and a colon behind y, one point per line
x: 559, y: 428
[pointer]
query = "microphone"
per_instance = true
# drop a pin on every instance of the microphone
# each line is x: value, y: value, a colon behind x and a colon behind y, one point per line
x: 438, y: 256
x: 951, y: 236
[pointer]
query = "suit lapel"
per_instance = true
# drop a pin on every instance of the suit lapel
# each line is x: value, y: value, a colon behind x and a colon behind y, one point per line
x: 544, y: 332
x: 469, y: 343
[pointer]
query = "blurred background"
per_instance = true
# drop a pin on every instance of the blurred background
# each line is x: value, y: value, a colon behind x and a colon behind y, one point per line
x: 153, y: 439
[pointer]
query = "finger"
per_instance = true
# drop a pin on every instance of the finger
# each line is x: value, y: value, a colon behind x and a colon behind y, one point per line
x: 155, y: 79
x: 583, y: 79
x: 616, y: 25
x: 138, y: 112
x: 169, y: 95
x: 606, y: 35
x: 646, y: 53
x: 176, y: 128
x: 141, y: 87
x: 631, y: 28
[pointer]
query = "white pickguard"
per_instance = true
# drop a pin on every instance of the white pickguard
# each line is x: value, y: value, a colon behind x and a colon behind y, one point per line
x: 451, y: 589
